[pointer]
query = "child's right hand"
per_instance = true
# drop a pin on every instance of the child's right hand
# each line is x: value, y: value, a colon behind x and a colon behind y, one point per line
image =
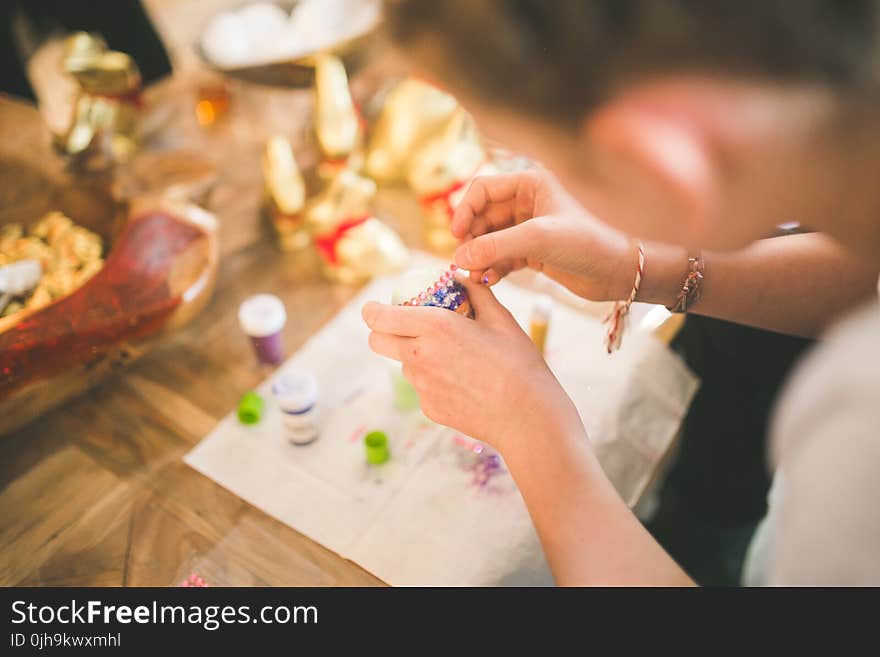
x: 526, y: 219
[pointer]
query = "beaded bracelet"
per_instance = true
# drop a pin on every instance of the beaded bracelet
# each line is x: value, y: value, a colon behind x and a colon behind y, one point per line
x: 615, y: 321
x: 691, y: 288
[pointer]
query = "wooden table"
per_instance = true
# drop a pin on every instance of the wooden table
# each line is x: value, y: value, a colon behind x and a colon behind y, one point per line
x: 95, y: 492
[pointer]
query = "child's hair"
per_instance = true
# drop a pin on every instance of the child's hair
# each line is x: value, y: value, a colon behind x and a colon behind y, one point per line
x: 558, y: 58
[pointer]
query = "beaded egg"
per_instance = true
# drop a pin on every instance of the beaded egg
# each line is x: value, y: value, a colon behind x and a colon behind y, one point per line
x: 433, y: 287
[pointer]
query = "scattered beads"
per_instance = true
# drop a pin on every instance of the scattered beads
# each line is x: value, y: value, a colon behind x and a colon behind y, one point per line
x: 486, y: 463
x: 194, y: 580
x: 487, y: 467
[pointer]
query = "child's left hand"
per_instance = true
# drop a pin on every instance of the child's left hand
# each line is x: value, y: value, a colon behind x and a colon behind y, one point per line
x: 483, y: 377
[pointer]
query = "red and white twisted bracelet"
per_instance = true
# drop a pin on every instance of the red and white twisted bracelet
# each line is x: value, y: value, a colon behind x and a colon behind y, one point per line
x: 615, y: 321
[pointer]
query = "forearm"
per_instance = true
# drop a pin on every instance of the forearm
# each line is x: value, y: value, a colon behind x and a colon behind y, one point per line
x: 588, y: 533
x: 794, y: 284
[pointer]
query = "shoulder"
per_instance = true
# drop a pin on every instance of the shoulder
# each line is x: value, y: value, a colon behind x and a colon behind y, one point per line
x: 826, y: 447
x: 840, y: 375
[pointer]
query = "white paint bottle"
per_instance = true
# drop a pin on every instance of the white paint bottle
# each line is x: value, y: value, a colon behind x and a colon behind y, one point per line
x: 296, y: 392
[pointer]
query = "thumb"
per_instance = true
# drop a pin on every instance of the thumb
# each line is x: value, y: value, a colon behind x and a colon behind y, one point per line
x: 482, y: 298
x: 520, y: 241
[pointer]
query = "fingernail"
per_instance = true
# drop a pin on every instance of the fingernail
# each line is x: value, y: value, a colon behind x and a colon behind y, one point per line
x: 485, y: 279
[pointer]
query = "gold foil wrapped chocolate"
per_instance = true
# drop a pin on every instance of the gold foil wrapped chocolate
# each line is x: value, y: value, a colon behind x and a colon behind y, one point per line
x: 285, y: 194
x: 337, y: 124
x: 353, y: 245
x: 414, y: 113
x: 68, y: 254
x: 80, y: 48
x: 440, y: 173
x: 104, y: 125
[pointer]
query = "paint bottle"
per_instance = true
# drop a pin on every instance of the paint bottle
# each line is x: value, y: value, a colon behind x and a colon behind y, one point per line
x: 262, y: 317
x: 296, y: 392
x: 540, y: 321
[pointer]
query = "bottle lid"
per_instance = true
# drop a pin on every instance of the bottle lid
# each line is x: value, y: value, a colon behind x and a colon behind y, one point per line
x: 376, y: 443
x: 262, y: 315
x: 250, y: 408
x: 295, y: 390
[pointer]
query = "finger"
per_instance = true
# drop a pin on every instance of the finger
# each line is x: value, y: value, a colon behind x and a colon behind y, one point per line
x: 479, y: 226
x: 390, y: 346
x: 488, y: 276
x: 482, y: 298
x: 483, y: 192
x: 495, y: 217
x: 502, y: 269
x: 476, y: 275
x: 498, y: 271
x: 495, y: 274
x: 520, y: 242
x: 406, y: 321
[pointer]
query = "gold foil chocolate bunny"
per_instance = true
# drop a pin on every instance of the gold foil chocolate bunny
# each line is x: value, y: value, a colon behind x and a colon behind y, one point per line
x: 103, y: 129
x: 413, y: 113
x: 337, y: 122
x: 353, y: 244
x: 441, y: 172
x: 285, y: 194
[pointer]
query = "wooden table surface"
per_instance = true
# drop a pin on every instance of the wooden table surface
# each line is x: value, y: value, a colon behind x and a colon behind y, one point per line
x: 95, y: 492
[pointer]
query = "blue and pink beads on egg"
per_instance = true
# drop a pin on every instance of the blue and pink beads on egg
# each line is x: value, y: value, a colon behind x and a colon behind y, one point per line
x: 445, y: 292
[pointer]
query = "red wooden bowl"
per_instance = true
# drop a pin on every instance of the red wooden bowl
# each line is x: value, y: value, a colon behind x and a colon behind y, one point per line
x: 159, y: 269
x: 158, y: 273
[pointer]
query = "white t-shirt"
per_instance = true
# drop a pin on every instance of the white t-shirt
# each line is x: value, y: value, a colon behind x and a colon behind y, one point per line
x: 823, y: 522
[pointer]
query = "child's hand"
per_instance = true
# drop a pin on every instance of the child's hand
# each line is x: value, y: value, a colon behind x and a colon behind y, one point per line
x: 515, y: 220
x: 483, y: 377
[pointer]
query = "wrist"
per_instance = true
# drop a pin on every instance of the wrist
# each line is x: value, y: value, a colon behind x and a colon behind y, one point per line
x: 665, y: 269
x: 552, y: 422
x: 538, y: 454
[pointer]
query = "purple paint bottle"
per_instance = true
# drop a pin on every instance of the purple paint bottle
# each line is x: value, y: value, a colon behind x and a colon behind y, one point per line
x: 262, y: 317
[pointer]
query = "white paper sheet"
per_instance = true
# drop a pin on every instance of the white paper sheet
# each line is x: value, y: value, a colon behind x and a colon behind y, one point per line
x: 421, y: 519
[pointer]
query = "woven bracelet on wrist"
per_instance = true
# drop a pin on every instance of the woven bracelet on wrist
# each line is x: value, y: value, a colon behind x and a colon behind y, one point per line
x: 691, y: 288
x: 615, y: 321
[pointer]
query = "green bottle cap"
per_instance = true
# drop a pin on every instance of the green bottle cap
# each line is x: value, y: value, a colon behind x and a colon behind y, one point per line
x: 250, y: 408
x: 376, y: 443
